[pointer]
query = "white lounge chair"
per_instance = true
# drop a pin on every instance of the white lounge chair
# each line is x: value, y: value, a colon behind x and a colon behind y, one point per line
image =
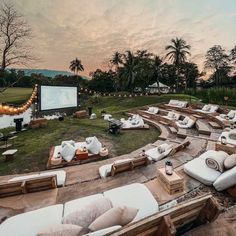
x: 160, y: 152
x: 31, y: 223
x: 187, y: 123
x: 60, y: 174
x: 230, y: 137
x: 231, y: 116
x: 136, y: 121
x: 152, y: 110
x: 198, y: 169
x: 209, y: 108
x: 177, y: 103
x: 172, y: 116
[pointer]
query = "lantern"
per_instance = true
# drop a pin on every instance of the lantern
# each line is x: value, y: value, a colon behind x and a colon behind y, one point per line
x: 169, y: 168
x: 223, y: 140
x: 1, y: 108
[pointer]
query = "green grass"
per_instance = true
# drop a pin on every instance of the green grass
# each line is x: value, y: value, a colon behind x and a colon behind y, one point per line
x: 34, y: 145
x: 15, y: 95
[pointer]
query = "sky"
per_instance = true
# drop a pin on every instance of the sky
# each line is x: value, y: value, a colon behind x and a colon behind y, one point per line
x: 93, y: 30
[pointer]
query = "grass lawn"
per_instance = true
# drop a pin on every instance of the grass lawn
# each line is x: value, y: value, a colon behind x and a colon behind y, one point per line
x: 34, y: 145
x: 15, y: 95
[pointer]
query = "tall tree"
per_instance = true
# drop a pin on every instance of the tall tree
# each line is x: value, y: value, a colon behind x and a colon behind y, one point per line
x: 217, y: 60
x: 14, y: 36
x: 76, y: 66
x: 116, y: 59
x: 177, y: 53
x: 190, y: 74
x: 156, y: 69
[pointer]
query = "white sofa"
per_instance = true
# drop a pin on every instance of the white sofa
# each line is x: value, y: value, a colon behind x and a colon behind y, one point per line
x: 152, y: 110
x: 30, y: 223
x: 231, y: 116
x: 198, y: 169
x: 60, y: 174
x: 187, y: 123
x: 229, y: 138
x: 172, y: 116
x: 209, y: 108
x: 177, y: 103
x: 136, y: 121
x: 154, y: 155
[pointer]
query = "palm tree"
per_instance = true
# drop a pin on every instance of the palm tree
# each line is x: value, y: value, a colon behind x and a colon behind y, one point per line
x: 156, y: 68
x: 178, y: 52
x: 76, y: 66
x: 116, y: 59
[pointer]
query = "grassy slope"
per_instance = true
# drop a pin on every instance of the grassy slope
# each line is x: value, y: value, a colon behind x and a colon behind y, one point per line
x: 15, y: 95
x: 33, y: 146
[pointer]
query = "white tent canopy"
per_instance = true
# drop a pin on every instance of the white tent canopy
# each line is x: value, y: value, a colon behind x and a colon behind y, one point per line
x: 153, y: 88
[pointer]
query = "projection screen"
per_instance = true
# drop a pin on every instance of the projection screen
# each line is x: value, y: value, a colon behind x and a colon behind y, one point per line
x: 57, y: 97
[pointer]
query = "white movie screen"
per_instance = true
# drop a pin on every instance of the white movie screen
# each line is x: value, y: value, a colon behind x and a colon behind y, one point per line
x: 58, y: 97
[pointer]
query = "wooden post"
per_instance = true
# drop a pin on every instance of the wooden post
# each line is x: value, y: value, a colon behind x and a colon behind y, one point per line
x: 166, y: 227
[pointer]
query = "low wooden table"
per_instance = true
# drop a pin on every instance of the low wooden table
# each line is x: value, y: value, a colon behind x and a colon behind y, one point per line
x: 9, y: 154
x: 214, y: 125
x: 229, y: 148
x: 171, y: 183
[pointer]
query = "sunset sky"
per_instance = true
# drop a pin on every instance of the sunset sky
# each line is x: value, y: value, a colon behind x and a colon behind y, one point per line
x: 93, y: 30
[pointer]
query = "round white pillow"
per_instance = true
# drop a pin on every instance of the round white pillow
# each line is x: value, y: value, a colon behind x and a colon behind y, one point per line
x: 230, y: 162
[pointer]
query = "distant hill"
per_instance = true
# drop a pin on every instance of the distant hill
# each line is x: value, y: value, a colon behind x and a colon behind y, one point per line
x: 48, y: 73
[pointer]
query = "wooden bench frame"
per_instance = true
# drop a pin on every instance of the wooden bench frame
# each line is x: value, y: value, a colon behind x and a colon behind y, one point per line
x: 197, y: 211
x: 129, y: 165
x: 40, y: 183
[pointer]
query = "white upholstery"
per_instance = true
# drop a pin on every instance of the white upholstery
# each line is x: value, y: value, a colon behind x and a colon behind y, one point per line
x: 105, y: 231
x: 154, y: 155
x: 60, y: 174
x: 213, y: 108
x: 226, y: 180
x: 135, y: 121
x: 72, y: 142
x: 229, y: 140
x: 172, y: 116
x: 30, y: 223
x: 198, y: 169
x: 153, y: 110
x: 189, y: 123
x: 68, y: 152
x: 105, y: 170
x: 134, y: 195
x: 93, y: 145
x: 107, y: 117
x: 231, y: 116
x: 177, y: 103
x: 80, y: 203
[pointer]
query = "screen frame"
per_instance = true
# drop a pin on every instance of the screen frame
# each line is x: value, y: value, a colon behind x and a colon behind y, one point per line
x: 57, y: 109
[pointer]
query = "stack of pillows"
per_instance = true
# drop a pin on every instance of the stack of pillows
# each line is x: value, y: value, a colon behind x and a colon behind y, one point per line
x: 98, y: 215
x: 206, y: 108
x: 221, y: 161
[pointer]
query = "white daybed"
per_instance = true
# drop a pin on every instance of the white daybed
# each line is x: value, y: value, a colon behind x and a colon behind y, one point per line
x: 209, y: 108
x: 187, y: 123
x: 177, y: 103
x: 160, y: 152
x: 60, y: 174
x: 231, y: 116
x: 31, y: 223
x: 230, y: 137
x: 152, y: 110
x: 172, y: 116
x: 198, y: 169
x: 136, y: 121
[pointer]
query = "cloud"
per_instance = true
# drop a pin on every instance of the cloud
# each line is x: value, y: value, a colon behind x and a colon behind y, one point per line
x: 92, y: 30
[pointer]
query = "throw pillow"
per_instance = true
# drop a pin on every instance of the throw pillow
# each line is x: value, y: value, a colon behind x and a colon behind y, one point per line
x: 84, y: 217
x: 231, y: 115
x: 68, y: 152
x: 206, y: 108
x: 71, y: 142
x: 61, y: 230
x: 230, y: 162
x: 232, y: 135
x: 116, y: 216
x: 160, y: 149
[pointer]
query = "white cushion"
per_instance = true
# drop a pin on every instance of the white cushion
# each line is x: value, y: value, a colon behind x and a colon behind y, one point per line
x: 80, y: 203
x: 31, y: 223
x: 231, y: 114
x: 71, y: 142
x: 93, y: 145
x: 68, y: 152
x: 198, y: 169
x: 154, y: 155
x: 226, y: 180
x: 228, y: 139
x: 60, y: 174
x: 136, y: 196
x: 107, y: 117
x: 106, y: 231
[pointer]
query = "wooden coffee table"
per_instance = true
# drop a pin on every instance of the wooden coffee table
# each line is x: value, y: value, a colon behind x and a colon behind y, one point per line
x: 171, y: 183
x: 9, y: 154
